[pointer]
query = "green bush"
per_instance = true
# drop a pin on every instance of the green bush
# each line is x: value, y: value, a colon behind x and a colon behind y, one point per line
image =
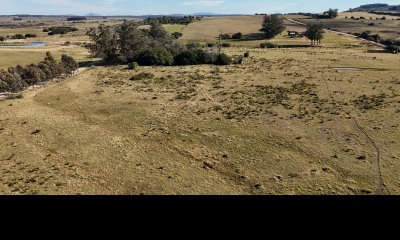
x: 18, y: 36
x: 225, y: 36
x: 133, y: 65
x: 156, y: 57
x: 223, y: 59
x: 177, y: 35
x: 188, y: 57
x: 237, y: 36
x: 30, y: 35
x: 268, y: 45
x: 203, y: 57
x: 226, y: 45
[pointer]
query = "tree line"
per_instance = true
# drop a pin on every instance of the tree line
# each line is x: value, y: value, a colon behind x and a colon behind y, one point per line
x: 170, y: 20
x: 16, y: 79
x: 128, y: 43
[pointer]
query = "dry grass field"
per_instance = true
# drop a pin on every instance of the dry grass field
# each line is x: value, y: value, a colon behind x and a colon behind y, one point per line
x: 287, y: 121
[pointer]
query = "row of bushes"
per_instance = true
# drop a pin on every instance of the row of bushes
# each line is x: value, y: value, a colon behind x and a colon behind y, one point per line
x: 18, y: 36
x: 128, y: 43
x: 363, y: 18
x: 268, y: 45
x: 236, y: 36
x: 191, y: 56
x: 170, y: 20
x: 18, y: 78
x: 369, y: 36
x: 60, y: 30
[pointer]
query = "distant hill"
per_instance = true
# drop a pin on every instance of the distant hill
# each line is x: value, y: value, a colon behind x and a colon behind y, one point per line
x: 93, y: 15
x: 376, y: 7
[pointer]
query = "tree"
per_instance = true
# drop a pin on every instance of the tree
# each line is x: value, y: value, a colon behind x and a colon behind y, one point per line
x: 70, y: 65
x: 315, y: 32
x: 132, y: 41
x: 105, y: 43
x: 273, y: 25
x: 332, y: 13
x: 158, y: 32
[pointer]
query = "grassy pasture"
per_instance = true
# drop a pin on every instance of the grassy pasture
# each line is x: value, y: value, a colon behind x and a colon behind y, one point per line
x: 268, y: 126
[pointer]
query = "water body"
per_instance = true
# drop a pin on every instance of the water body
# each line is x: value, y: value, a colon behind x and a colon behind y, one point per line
x: 23, y: 45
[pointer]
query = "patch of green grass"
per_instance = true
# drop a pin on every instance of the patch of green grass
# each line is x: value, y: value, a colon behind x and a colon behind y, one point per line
x: 174, y: 28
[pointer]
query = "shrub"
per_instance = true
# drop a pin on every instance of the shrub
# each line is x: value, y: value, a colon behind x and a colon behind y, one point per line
x: 226, y: 45
x: 203, y: 57
x: 156, y: 57
x: 268, y: 45
x: 188, y: 57
x: 223, y: 59
x: 18, y: 36
x: 30, y: 35
x: 388, y: 42
x: 246, y: 54
x: 2, y: 39
x: 133, y: 65
x: 193, y: 45
x: 371, y: 24
x: 238, y: 36
x: 142, y: 76
x: 210, y: 44
x: 67, y: 43
x: 225, y: 36
x: 177, y: 35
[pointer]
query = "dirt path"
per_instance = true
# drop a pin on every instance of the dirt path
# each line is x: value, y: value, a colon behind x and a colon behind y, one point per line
x: 380, y: 184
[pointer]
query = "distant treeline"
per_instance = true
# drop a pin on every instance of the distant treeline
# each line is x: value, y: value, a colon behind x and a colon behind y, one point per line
x: 171, y: 20
x: 330, y: 14
x: 386, y: 13
x: 16, y: 79
x: 76, y: 19
x: 60, y: 30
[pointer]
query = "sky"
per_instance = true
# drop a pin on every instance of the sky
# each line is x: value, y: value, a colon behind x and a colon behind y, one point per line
x: 143, y: 7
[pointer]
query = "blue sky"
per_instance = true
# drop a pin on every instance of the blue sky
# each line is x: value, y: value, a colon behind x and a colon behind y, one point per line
x: 139, y: 7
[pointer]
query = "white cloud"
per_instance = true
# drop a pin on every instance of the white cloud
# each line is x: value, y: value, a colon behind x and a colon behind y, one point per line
x: 204, y: 3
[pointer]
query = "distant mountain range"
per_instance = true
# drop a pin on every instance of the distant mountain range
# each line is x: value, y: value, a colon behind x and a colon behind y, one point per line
x: 377, y: 7
x: 93, y: 15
